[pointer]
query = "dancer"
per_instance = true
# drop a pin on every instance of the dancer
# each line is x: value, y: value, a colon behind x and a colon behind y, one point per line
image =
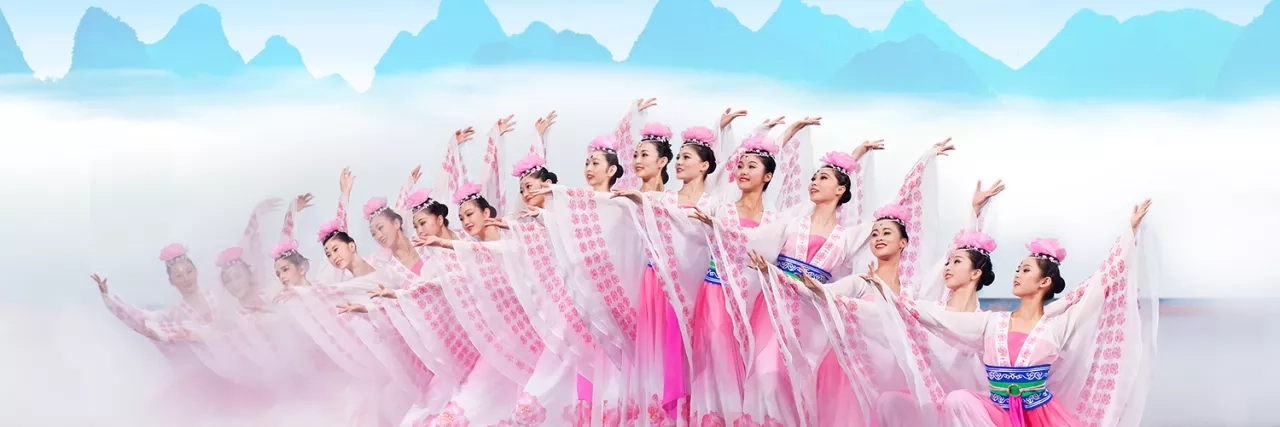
x: 1074, y: 361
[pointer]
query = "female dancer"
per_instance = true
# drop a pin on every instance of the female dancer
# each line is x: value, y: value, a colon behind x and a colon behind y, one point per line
x: 1075, y: 361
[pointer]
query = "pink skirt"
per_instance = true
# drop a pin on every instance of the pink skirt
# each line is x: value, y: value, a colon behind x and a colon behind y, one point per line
x: 659, y: 346
x: 965, y: 408
x: 718, y: 368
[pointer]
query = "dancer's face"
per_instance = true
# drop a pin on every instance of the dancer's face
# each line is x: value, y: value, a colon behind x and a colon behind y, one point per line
x: 886, y: 241
x: 598, y: 170
x: 384, y: 230
x: 472, y: 217
x: 182, y: 275
x: 647, y: 163
x: 290, y: 274
x: 960, y: 272
x: 427, y: 224
x: 689, y: 166
x: 751, y: 173
x: 1029, y: 279
x: 527, y: 186
x: 237, y: 280
x: 340, y: 253
x: 824, y: 187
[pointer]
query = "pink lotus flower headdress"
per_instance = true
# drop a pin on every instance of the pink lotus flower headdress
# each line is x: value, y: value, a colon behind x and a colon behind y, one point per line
x: 759, y: 145
x: 420, y: 199
x: 329, y: 229
x: 654, y: 131
x: 529, y: 164
x: 284, y: 249
x: 374, y: 206
x: 173, y: 253
x: 698, y: 135
x: 841, y: 162
x: 606, y: 143
x: 466, y: 192
x: 230, y: 257
x: 894, y: 212
x: 975, y: 241
x: 1047, y: 249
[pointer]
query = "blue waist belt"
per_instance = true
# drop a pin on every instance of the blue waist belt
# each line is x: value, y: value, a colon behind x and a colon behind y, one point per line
x: 712, y: 277
x: 797, y: 267
x: 1027, y: 382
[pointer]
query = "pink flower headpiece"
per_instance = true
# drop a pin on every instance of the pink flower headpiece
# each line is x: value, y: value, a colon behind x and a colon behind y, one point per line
x: 173, y: 253
x: 420, y: 199
x: 284, y: 249
x: 466, y: 192
x: 329, y: 229
x: 654, y: 131
x: 759, y: 145
x: 374, y: 206
x: 895, y: 212
x: 529, y: 164
x: 1048, y: 249
x: 975, y: 241
x: 698, y: 135
x: 229, y: 257
x: 603, y: 143
x: 841, y: 162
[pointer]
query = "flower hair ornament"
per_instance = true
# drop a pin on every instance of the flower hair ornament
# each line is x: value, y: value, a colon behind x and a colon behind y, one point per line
x: 654, y: 131
x: 975, y: 241
x: 759, y: 145
x: 173, y: 253
x: 893, y: 212
x: 841, y: 162
x: 230, y: 257
x: 529, y: 164
x: 420, y: 199
x: 1047, y: 249
x: 284, y: 249
x: 698, y: 135
x: 374, y: 206
x: 606, y: 143
x: 329, y: 229
x: 467, y: 192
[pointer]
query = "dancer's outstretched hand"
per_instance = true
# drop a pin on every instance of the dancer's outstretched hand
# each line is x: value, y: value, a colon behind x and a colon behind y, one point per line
x: 545, y: 123
x: 631, y: 195
x: 101, y: 281
x: 644, y: 104
x: 382, y: 292
x: 346, y: 181
x: 981, y: 197
x: 867, y: 147
x: 699, y: 215
x: 729, y: 115
x: 506, y: 124
x: 352, y: 308
x: 944, y: 147
x: 1139, y: 212
x: 302, y: 202
x: 463, y: 135
x: 772, y: 123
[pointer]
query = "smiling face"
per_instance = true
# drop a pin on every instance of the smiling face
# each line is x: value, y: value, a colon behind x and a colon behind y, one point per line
x: 528, y: 185
x: 751, y: 173
x: 1029, y: 279
x: 472, y: 217
x: 598, y: 170
x: 384, y: 230
x: 648, y: 164
x: 237, y: 280
x: 887, y: 240
x: 289, y: 273
x: 340, y: 253
x: 426, y: 224
x: 960, y: 272
x: 824, y: 186
x: 689, y: 166
x: 183, y: 276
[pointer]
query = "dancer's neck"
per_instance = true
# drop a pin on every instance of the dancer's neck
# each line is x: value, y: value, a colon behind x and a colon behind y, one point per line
x: 964, y: 299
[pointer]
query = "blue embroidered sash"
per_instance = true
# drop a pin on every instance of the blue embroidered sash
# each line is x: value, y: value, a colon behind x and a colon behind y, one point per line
x: 1028, y: 382
x: 796, y: 267
x: 713, y: 276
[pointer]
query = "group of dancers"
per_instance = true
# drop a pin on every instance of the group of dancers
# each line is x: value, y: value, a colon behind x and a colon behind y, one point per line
x: 757, y: 294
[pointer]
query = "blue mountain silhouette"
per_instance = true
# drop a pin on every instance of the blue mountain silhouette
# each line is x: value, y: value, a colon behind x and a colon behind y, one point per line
x: 104, y: 42
x: 12, y: 60
x: 278, y: 54
x: 541, y: 44
x: 1163, y: 55
x: 460, y: 28
x: 913, y: 66
x: 816, y: 44
x: 197, y: 46
x: 697, y: 35
x: 914, y: 18
x: 1252, y: 66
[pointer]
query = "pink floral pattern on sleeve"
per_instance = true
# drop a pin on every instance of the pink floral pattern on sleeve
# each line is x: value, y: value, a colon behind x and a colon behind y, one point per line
x: 430, y: 300
x: 591, y: 243
x: 1109, y: 341
x: 402, y: 199
x: 286, y: 232
x: 626, y: 151
x: 729, y: 250
x: 910, y: 197
x: 537, y: 249
x: 492, y: 161
x: 455, y: 170
x: 793, y: 188
x: 342, y: 212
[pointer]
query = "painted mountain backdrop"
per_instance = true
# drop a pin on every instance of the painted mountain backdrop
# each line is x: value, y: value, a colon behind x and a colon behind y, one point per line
x: 1184, y: 54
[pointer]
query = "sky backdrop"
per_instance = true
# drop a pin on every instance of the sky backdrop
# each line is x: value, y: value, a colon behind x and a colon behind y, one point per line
x: 349, y: 36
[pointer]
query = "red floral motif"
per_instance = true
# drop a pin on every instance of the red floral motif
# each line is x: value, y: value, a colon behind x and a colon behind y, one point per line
x: 452, y: 416
x: 656, y: 414
x: 578, y: 415
x: 713, y: 419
